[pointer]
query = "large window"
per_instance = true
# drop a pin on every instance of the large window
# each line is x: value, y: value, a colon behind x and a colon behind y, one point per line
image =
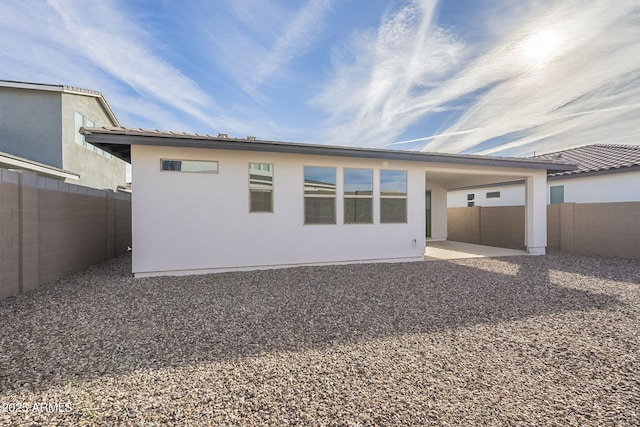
x: 358, y: 196
x: 260, y: 187
x: 193, y: 166
x: 393, y: 196
x: 319, y: 195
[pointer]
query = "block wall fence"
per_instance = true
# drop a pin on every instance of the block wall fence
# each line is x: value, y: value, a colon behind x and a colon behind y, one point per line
x: 608, y: 229
x: 49, y: 229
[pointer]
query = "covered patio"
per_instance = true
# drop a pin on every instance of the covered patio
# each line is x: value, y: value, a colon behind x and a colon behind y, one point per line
x: 447, y: 250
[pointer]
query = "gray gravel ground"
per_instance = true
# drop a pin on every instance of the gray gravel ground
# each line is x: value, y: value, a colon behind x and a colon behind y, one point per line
x: 507, y: 341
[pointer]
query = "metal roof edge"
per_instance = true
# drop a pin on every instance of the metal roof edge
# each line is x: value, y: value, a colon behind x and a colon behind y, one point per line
x: 127, y: 136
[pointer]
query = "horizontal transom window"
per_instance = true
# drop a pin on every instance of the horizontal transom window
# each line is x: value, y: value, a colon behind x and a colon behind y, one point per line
x: 192, y: 166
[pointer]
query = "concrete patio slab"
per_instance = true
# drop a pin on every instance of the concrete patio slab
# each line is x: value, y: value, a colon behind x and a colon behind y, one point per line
x: 444, y: 250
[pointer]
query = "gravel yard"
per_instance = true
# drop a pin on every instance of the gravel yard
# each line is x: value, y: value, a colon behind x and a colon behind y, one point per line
x: 506, y: 341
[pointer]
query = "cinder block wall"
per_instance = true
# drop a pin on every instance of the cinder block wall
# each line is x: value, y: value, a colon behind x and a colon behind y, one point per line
x: 502, y: 226
x: 463, y: 224
x: 609, y: 229
x: 51, y: 229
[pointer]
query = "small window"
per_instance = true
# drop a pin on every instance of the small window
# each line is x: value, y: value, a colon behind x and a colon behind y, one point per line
x: 557, y: 194
x: 471, y: 196
x: 493, y: 195
x: 470, y: 204
x: 319, y: 195
x: 260, y: 187
x: 193, y: 166
x: 79, y: 122
x: 393, y: 196
x: 358, y: 196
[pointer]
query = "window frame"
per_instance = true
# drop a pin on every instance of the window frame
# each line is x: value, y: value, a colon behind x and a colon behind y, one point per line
x: 346, y: 196
x: 270, y: 191
x: 323, y: 195
x: 551, y: 188
x: 217, y: 171
x: 404, y: 196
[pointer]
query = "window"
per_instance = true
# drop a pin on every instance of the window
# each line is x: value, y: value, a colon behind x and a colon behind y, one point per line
x: 260, y: 187
x: 471, y: 196
x: 493, y: 195
x: 79, y: 122
x: 557, y: 194
x: 470, y: 204
x: 194, y: 166
x: 319, y: 195
x: 393, y: 196
x: 358, y: 196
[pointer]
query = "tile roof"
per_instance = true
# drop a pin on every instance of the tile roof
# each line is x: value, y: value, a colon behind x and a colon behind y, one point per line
x: 597, y: 157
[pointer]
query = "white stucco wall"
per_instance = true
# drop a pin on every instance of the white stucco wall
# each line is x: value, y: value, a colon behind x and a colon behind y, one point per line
x: 606, y: 188
x: 195, y: 223
x: 438, y: 211
x: 510, y: 195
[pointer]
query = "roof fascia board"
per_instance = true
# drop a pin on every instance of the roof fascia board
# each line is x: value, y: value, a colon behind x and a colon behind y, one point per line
x: 32, y: 86
x: 320, y: 150
x: 20, y: 163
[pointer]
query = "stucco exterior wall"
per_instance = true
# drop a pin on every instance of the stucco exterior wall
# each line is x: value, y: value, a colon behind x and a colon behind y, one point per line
x: 31, y: 124
x: 607, y: 188
x: 438, y: 211
x: 510, y: 195
x: 194, y: 223
x: 96, y: 171
x: 604, y: 188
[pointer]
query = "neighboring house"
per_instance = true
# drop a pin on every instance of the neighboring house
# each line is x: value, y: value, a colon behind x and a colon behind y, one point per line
x: 204, y: 203
x: 606, y: 173
x: 39, y: 123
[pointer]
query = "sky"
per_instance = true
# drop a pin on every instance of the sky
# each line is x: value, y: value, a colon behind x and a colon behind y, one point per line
x: 492, y: 77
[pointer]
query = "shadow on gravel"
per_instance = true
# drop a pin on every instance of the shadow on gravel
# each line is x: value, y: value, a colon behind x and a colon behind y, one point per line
x: 104, y: 321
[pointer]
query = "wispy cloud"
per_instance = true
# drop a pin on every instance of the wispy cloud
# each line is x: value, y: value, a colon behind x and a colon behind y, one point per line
x: 584, y: 89
x: 259, y: 39
x: 116, y: 45
x: 382, y: 72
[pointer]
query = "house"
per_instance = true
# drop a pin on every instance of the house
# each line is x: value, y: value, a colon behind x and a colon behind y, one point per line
x: 213, y: 203
x: 39, y: 126
x: 606, y: 173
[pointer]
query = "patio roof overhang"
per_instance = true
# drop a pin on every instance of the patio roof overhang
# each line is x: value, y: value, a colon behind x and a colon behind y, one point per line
x: 118, y: 141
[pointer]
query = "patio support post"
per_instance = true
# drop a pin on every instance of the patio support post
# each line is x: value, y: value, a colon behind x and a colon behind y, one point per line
x: 535, y: 234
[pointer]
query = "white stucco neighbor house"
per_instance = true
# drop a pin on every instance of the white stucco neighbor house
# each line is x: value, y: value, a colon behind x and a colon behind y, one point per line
x: 606, y: 173
x: 206, y: 203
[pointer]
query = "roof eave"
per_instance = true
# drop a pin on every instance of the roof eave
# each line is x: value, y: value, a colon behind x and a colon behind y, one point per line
x: 112, y: 143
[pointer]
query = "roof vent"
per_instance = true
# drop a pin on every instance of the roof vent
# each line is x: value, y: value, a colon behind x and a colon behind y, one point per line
x: 223, y: 135
x: 251, y: 138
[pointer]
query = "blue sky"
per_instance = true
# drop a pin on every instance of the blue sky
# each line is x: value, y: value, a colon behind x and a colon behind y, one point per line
x: 508, y: 77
